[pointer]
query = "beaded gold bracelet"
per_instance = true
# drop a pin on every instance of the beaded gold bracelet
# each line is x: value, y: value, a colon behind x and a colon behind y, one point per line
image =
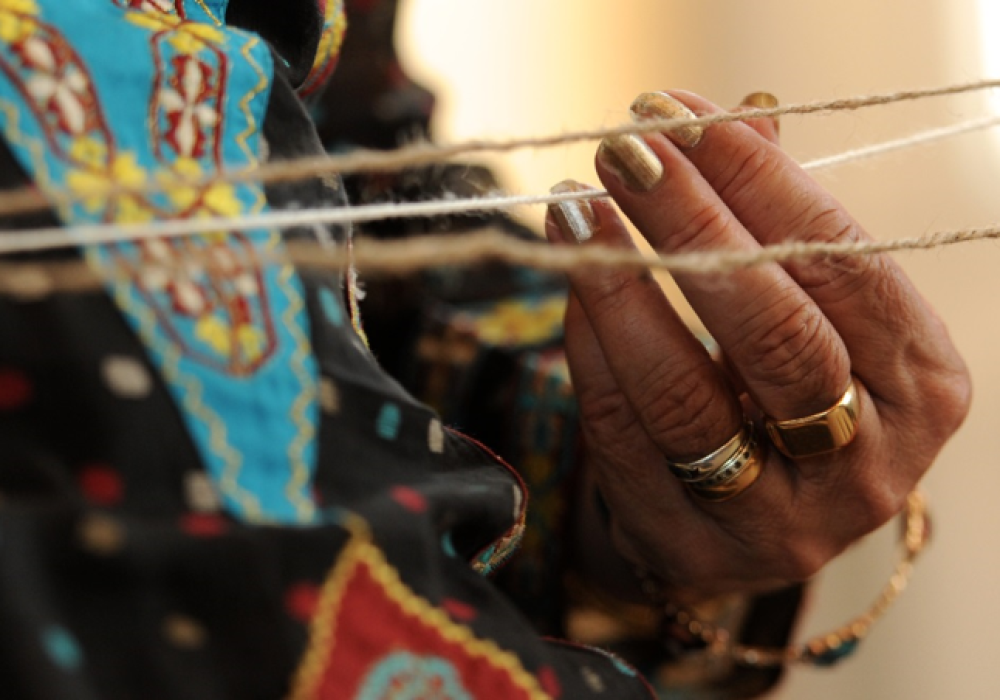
x: 825, y: 649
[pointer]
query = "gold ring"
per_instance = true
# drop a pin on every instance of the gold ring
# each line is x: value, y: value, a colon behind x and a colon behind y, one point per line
x: 821, y: 432
x: 735, y: 476
x: 710, y: 463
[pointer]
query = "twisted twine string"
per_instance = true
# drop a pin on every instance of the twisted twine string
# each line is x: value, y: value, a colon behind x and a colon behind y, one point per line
x: 412, y: 255
x: 37, y: 280
x: 32, y: 240
x: 30, y: 199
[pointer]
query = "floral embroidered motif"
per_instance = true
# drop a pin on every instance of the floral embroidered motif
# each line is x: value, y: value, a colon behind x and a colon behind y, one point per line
x: 208, y: 317
x: 372, y: 638
x: 406, y: 675
x: 170, y: 7
x: 522, y: 321
x: 188, y: 105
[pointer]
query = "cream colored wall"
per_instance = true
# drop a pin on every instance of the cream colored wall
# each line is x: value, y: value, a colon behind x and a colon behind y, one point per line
x: 519, y: 67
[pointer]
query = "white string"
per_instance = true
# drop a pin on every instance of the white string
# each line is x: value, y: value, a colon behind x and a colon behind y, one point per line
x: 919, y: 139
x: 28, y: 240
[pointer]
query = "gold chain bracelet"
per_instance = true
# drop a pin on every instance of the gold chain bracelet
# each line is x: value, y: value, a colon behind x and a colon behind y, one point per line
x: 825, y: 649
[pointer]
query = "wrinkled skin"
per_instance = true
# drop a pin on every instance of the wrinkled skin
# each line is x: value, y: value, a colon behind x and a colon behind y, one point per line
x: 791, y: 336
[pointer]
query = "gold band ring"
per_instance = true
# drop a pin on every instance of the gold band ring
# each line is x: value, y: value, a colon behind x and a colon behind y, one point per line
x: 826, y: 431
x: 710, y: 463
x: 736, y: 475
x: 726, y: 472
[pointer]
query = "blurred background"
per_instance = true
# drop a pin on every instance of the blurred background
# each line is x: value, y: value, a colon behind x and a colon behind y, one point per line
x: 530, y: 67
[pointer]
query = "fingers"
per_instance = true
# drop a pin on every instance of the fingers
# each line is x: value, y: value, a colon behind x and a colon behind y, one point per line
x: 894, y: 341
x: 869, y: 301
x: 791, y: 358
x: 673, y: 533
x: 791, y: 335
x: 665, y: 374
x: 767, y: 127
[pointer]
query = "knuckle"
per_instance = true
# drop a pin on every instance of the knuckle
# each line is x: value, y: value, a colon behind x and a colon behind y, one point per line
x: 836, y: 276
x: 874, y: 504
x: 958, y: 400
x: 704, y: 228
x: 929, y: 374
x: 605, y: 414
x: 751, y: 161
x: 608, y: 296
x: 796, y: 348
x: 680, y: 410
x: 950, y: 392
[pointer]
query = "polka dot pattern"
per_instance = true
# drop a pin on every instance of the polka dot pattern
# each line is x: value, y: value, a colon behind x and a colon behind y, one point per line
x: 15, y: 389
x: 214, y: 340
x: 101, y: 534
x: 200, y: 493
x: 592, y: 679
x: 435, y: 436
x: 331, y: 307
x: 302, y: 600
x: 463, y: 612
x: 329, y: 395
x: 29, y: 283
x: 101, y: 484
x: 409, y: 498
x: 126, y: 377
x: 184, y: 632
x: 62, y: 648
x: 448, y: 546
x: 203, y: 524
x: 388, y: 422
x: 549, y: 681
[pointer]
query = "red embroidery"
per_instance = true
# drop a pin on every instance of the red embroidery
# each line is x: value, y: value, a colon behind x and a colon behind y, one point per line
x: 302, y: 600
x: 550, y: 681
x: 101, y: 484
x: 203, y: 524
x: 368, y: 617
x: 15, y: 389
x: 463, y: 612
x: 409, y: 498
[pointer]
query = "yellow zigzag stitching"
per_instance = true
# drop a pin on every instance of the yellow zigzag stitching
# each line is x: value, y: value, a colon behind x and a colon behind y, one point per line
x: 304, y: 507
x: 208, y: 12
x: 307, y: 431
x: 192, y: 400
x: 360, y: 550
x: 243, y: 136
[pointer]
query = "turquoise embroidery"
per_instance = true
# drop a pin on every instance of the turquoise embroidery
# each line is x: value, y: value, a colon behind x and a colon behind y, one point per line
x: 213, y: 11
x: 406, y: 676
x: 149, y: 98
x: 448, y: 545
x: 388, y: 421
x: 62, y: 648
x: 331, y: 307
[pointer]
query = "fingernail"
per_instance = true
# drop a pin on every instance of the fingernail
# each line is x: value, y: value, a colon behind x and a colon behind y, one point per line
x: 659, y: 105
x: 575, y: 218
x: 762, y: 100
x: 632, y: 160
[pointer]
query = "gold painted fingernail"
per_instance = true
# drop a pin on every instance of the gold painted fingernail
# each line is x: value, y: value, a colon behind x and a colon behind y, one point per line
x: 659, y: 105
x: 632, y: 160
x: 576, y: 217
x: 762, y: 100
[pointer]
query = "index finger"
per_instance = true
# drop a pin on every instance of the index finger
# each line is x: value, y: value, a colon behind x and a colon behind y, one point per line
x: 866, y: 297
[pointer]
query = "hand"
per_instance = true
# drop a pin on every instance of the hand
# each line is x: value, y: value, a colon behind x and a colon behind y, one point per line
x: 792, y: 336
